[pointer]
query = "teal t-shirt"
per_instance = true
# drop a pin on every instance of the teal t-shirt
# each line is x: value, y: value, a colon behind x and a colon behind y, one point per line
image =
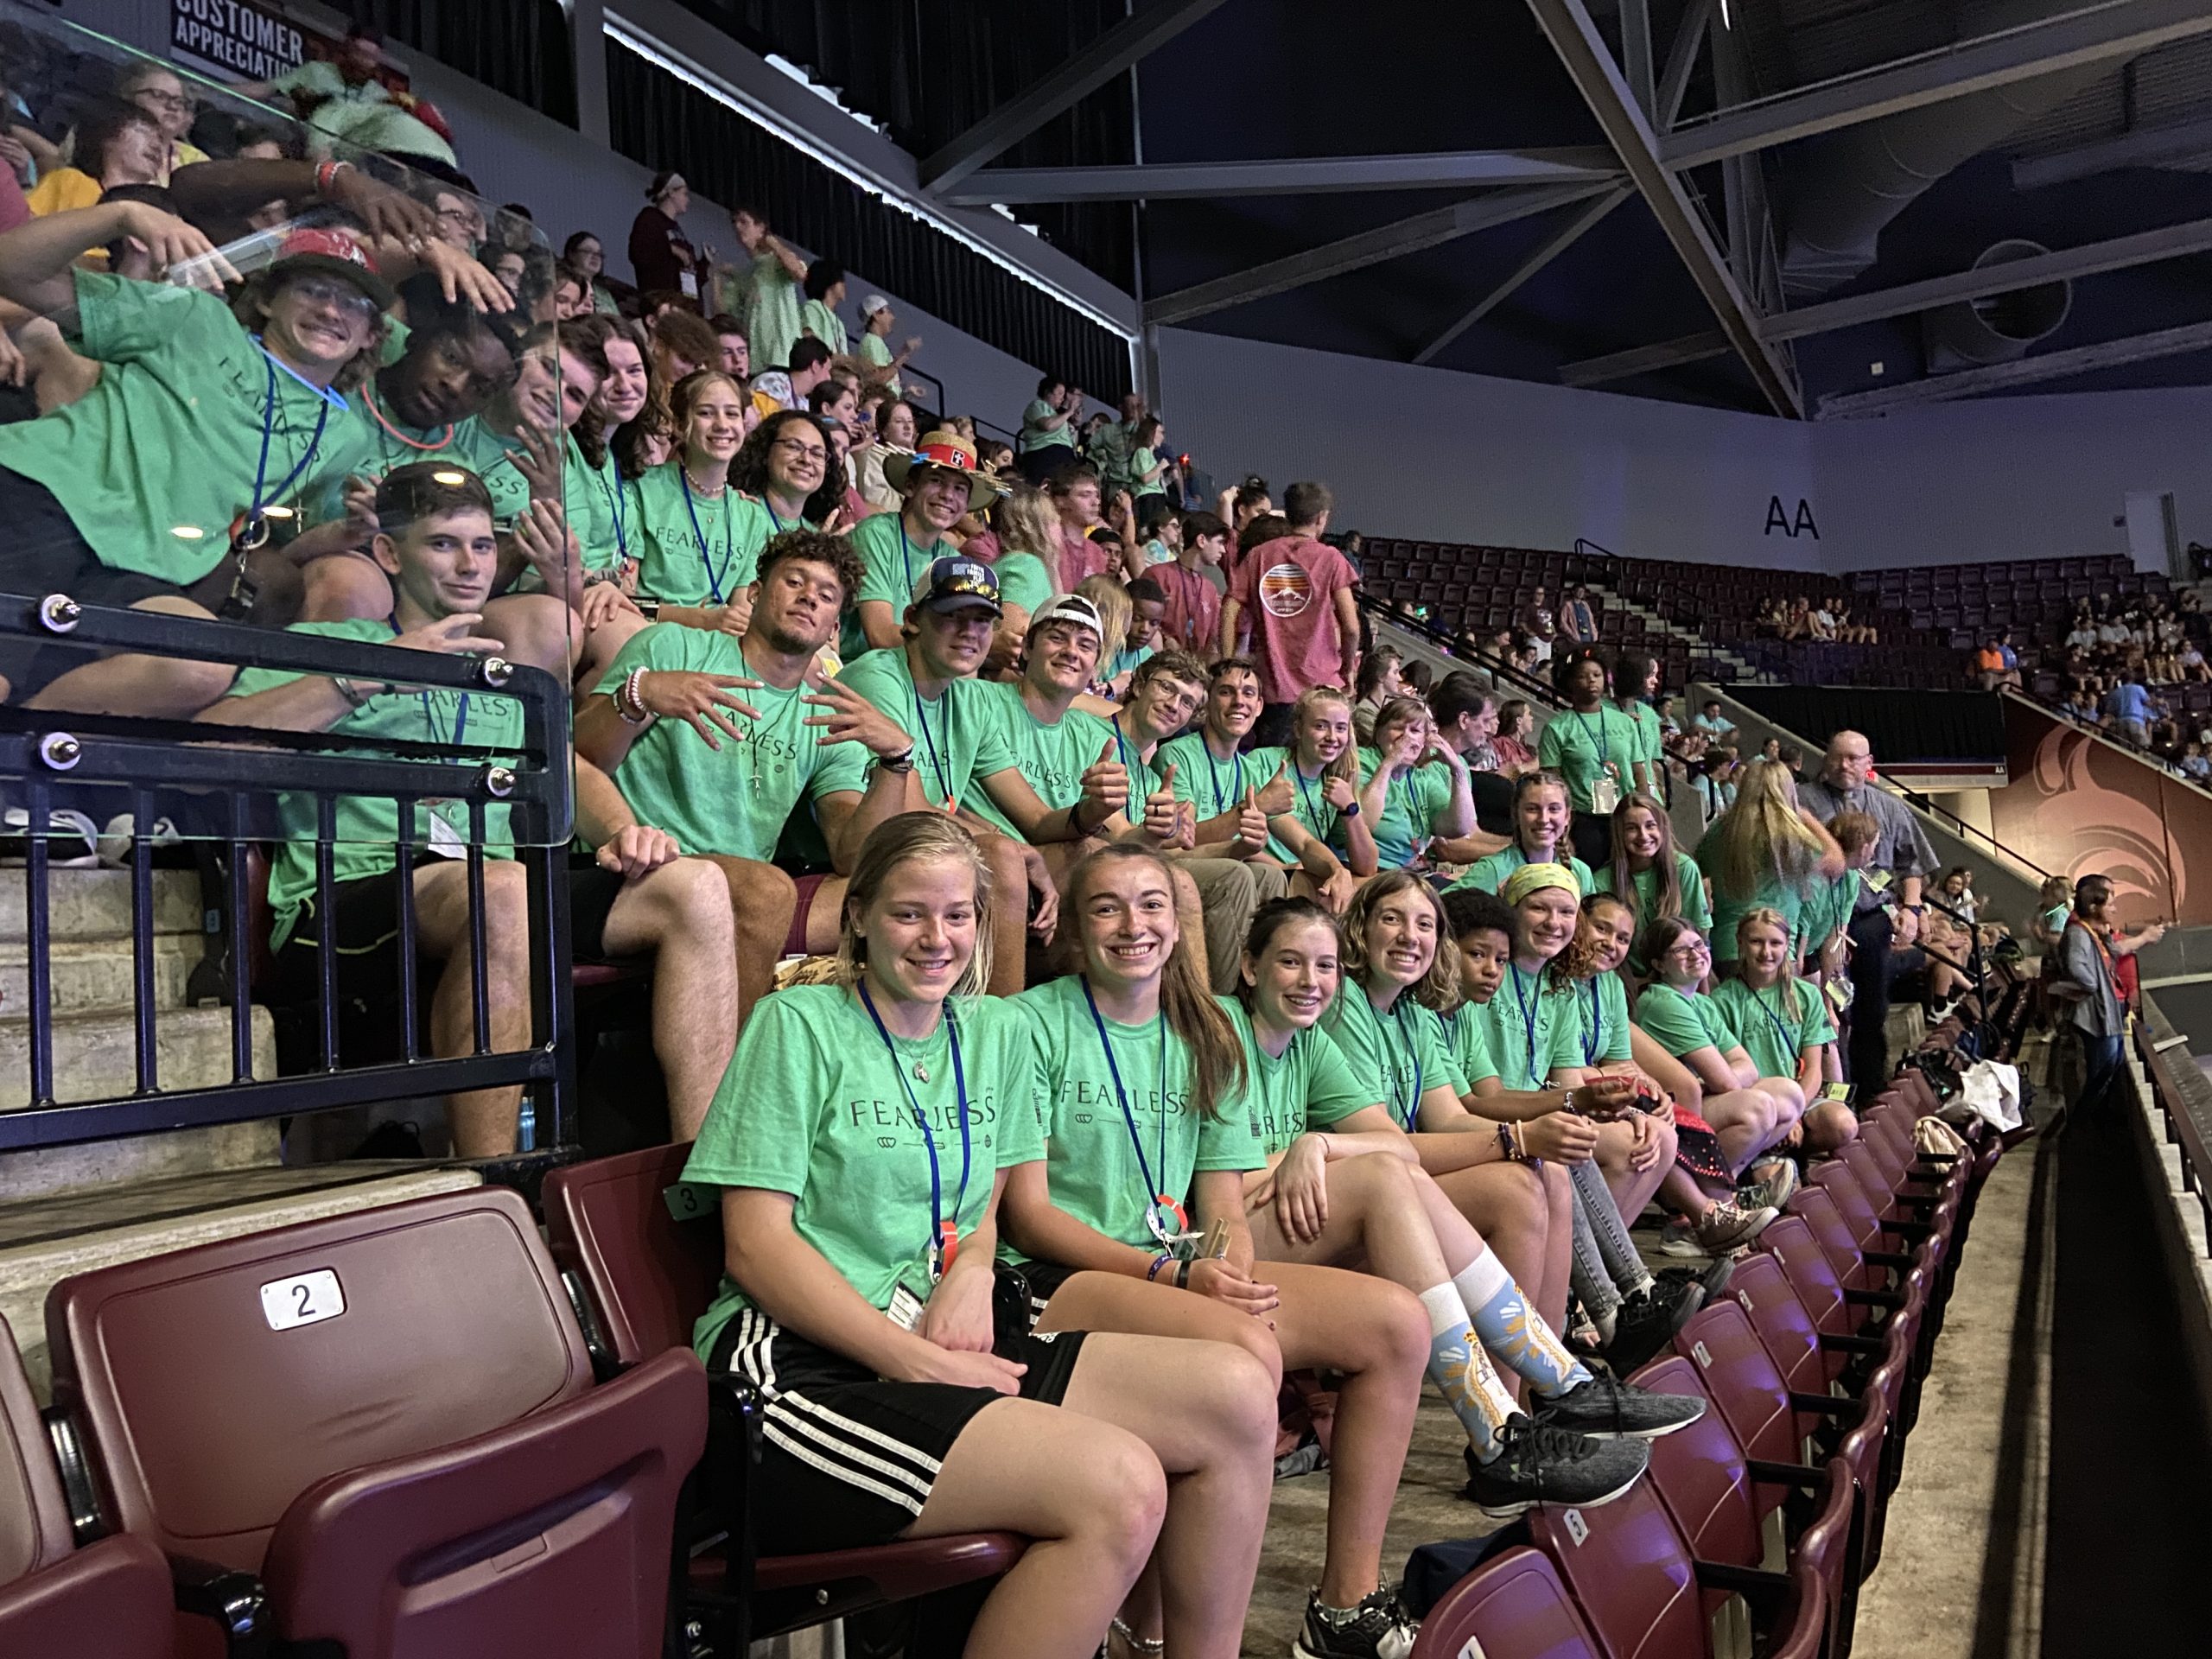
x: 1216, y: 786
x: 1762, y: 1024
x: 1051, y: 758
x: 1530, y: 1028
x: 1037, y: 435
x: 1645, y: 885
x: 1309, y: 805
x: 816, y: 1104
x: 955, y: 738
x: 1023, y: 581
x: 1682, y: 1022
x: 877, y: 352
x: 1489, y: 874
x: 1831, y: 907
x: 1468, y: 1045
x: 815, y: 318
x: 735, y: 799
x: 697, y: 550
x: 1103, y: 1172
x: 1582, y: 748
x: 154, y: 463
x: 1410, y: 805
x: 1650, y: 738
x: 1140, y: 463
x: 1729, y: 910
x: 1309, y: 1085
x: 1398, y: 1057
x: 367, y: 825
x: 772, y: 309
x: 1602, y: 1020
x: 892, y: 562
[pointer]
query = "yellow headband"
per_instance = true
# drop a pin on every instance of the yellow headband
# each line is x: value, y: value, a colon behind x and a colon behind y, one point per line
x: 1530, y: 877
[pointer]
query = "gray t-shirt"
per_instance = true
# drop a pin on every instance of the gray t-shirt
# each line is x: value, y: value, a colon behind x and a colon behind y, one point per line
x: 2083, y: 961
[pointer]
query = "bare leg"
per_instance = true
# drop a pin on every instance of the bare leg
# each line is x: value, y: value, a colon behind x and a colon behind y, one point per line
x: 762, y: 900
x: 824, y: 913
x: 1550, y: 1291
x: 1509, y: 1205
x: 1090, y: 1527
x: 1633, y: 1189
x: 1829, y: 1126
x: 483, y: 1120
x: 537, y: 629
x: 1209, y: 1415
x: 601, y: 645
x: 680, y: 914
x: 1744, y: 1120
x: 130, y: 683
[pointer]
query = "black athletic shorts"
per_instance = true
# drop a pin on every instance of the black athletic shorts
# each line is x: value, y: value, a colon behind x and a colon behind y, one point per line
x: 46, y: 554
x: 1018, y: 1298
x: 367, y: 912
x: 849, y: 1458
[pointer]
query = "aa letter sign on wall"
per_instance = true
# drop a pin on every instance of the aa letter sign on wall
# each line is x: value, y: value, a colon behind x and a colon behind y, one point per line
x: 1792, y: 525
x: 234, y: 41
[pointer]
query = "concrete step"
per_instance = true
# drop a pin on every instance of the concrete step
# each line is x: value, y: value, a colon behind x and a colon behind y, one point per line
x: 44, y: 1242
x: 94, y: 1054
x: 51, y: 1172
x: 84, y: 905
x: 95, y: 973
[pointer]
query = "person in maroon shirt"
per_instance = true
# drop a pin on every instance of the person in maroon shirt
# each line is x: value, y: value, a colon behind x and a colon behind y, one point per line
x: 1295, y: 594
x: 1193, y: 618
x: 660, y: 254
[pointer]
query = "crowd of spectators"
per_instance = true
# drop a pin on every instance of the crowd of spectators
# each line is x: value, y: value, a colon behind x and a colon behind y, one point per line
x: 1829, y: 622
x: 1032, y: 720
x: 2122, y: 666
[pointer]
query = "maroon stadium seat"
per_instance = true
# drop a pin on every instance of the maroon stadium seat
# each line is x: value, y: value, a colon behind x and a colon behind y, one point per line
x: 1512, y: 1605
x: 108, y: 1600
x: 390, y: 1417
x: 648, y: 1275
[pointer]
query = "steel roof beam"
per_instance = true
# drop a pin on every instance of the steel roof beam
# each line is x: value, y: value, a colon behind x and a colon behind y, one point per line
x: 1582, y: 52
x: 1545, y: 251
x: 2116, y: 29
x: 1351, y: 253
x: 1645, y: 359
x: 1292, y: 176
x: 2026, y: 371
x: 1111, y: 54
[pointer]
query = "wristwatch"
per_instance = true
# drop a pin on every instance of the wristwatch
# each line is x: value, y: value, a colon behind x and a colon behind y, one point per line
x: 1351, y: 811
x: 902, y: 761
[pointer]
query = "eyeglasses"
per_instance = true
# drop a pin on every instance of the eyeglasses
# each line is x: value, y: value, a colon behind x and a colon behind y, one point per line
x: 167, y: 100
x: 801, y: 451
x: 331, y: 291
x: 1690, y: 951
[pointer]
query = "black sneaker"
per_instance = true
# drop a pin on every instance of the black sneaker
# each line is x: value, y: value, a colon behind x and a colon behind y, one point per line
x: 1646, y: 1323
x: 1377, y: 1629
x: 1542, y: 1464
x: 1606, y: 1409
x: 1714, y: 1280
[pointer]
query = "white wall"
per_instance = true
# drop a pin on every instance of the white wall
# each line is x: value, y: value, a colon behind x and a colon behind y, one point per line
x: 1434, y: 453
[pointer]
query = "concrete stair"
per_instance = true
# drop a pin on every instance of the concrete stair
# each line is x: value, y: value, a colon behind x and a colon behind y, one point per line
x: 66, y: 1210
x: 1744, y: 671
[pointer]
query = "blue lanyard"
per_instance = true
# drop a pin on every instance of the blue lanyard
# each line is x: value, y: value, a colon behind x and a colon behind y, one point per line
x: 905, y: 553
x: 1407, y: 1109
x: 1122, y: 744
x: 253, y: 516
x: 1158, y: 1200
x: 1528, y: 1019
x: 730, y: 543
x: 940, y: 1254
x: 614, y: 494
x: 1593, y: 1040
x: 1404, y: 783
x: 1213, y: 771
x: 1605, y: 752
x: 1306, y: 795
x: 1788, y: 1042
x: 429, y: 724
x: 938, y: 760
x: 773, y: 518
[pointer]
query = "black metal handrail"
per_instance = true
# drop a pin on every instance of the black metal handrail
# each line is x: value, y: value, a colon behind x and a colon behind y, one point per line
x: 1960, y: 827
x: 2183, y: 1097
x: 1501, y: 671
x: 43, y: 752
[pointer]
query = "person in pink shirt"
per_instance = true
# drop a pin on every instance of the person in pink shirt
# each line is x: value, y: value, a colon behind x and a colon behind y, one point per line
x: 1193, y: 618
x: 1294, y: 595
x: 1085, y: 550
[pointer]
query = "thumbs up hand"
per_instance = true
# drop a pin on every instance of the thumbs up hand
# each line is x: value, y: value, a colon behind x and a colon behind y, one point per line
x: 1105, y: 786
x: 1252, y: 823
x: 1163, y: 813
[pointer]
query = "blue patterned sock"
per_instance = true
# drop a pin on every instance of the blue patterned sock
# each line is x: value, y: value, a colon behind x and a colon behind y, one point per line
x: 1513, y: 1331
x: 1463, y: 1373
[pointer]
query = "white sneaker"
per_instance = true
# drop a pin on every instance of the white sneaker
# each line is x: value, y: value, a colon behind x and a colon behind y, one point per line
x: 115, y: 841
x: 71, y: 839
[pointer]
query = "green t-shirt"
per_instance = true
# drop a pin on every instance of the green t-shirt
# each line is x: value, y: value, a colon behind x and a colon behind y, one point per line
x: 1397, y: 1057
x: 1489, y: 874
x: 815, y: 318
x: 1830, y: 907
x: 1772, y: 894
x: 1410, y: 804
x: 1602, y: 1020
x: 612, y: 519
x: 383, y: 443
x: 1052, y: 758
x: 1140, y: 463
x: 1216, y: 786
x: 1023, y: 581
x: 1581, y: 746
x: 1128, y: 660
x: 1683, y: 1022
x: 695, y: 549
x: 1695, y: 910
x: 814, y: 1104
x: 1037, y: 435
x: 368, y: 825
x: 877, y: 352
x: 1530, y: 1028
x: 588, y: 501
x: 892, y: 562
x: 956, y: 739
x: 771, y: 314
x: 1309, y: 1086
x: 1761, y: 1023
x: 154, y: 463
x: 1650, y: 741
x: 1092, y: 1161
x: 1469, y: 1047
x: 1309, y: 805
x: 735, y: 799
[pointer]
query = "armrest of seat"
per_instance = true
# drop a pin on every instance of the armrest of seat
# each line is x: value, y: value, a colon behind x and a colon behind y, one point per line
x: 235, y: 1601
x: 1873, y: 1299
x: 344, y: 1539
x: 1853, y: 1345
x: 1824, y: 1405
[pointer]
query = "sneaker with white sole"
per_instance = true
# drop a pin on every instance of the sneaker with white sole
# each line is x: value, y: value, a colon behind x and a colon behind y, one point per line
x: 1731, y: 1226
x: 1771, y: 1191
x: 71, y: 839
x: 1379, y: 1628
x: 1606, y: 1408
x: 1538, y: 1463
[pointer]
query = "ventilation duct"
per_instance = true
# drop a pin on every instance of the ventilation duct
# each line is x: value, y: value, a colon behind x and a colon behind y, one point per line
x: 1851, y: 183
x: 1999, y: 327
